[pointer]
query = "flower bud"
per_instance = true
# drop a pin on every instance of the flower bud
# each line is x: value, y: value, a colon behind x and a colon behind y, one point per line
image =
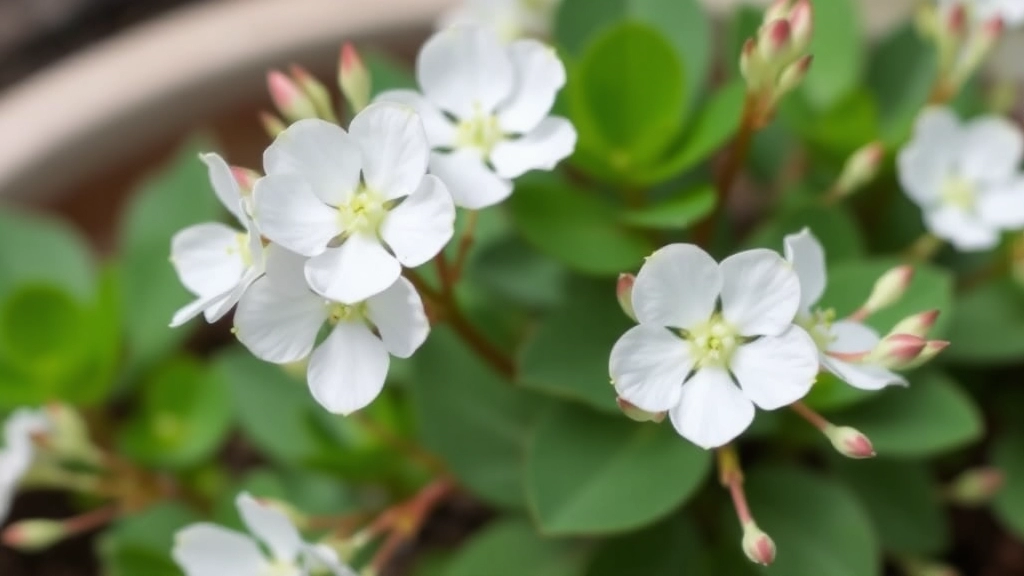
x: 850, y: 442
x: 624, y: 292
x: 917, y: 325
x: 353, y: 78
x: 315, y: 91
x: 896, y: 351
x: 976, y: 487
x: 34, y: 535
x: 861, y: 168
x: 757, y: 545
x: 749, y: 62
x: 888, y: 289
x: 271, y: 124
x: 638, y: 414
x: 793, y: 75
x: 917, y: 567
x: 289, y: 99
x: 245, y: 178
x: 774, y: 39
x: 931, y: 350
x: 778, y: 10
x: 801, y: 19
x: 955, y: 21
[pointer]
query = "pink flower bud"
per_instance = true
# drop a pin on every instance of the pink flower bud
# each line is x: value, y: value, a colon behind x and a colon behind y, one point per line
x: 353, y: 78
x: 793, y: 75
x: 850, y: 442
x: 956, y: 21
x: 930, y: 351
x: 637, y: 414
x: 774, y: 39
x: 34, y: 535
x: 624, y: 292
x: 778, y: 10
x: 271, y: 124
x: 896, y: 351
x: 861, y: 168
x: 993, y: 28
x: 976, y: 487
x: 888, y: 289
x: 289, y: 99
x: 801, y: 19
x: 315, y: 91
x: 757, y: 545
x: 917, y: 325
x: 245, y: 178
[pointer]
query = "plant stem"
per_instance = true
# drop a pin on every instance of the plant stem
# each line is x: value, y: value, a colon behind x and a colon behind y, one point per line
x: 91, y: 520
x: 924, y: 248
x: 731, y: 475
x: 402, y: 445
x: 731, y: 168
x: 465, y: 243
x: 403, y: 522
x: 816, y: 420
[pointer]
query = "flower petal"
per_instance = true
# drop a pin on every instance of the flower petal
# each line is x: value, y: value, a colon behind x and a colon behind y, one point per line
x: 849, y: 337
x: 323, y: 558
x: 208, y: 258
x: 420, y: 227
x: 648, y: 366
x: 271, y: 527
x: 348, y: 370
x: 195, y: 308
x: 465, y: 70
x: 210, y: 550
x: 760, y: 292
x: 288, y: 213
x: 1003, y: 206
x: 320, y: 152
x: 399, y: 317
x: 224, y: 184
x: 471, y: 183
x: 394, y: 148
x: 925, y: 162
x: 440, y: 131
x: 964, y: 231
x: 354, y: 271
x: 862, y: 376
x: 539, y: 75
x: 543, y: 148
x: 992, y: 148
x: 807, y: 256
x: 712, y: 411
x: 278, y: 326
x: 677, y: 286
x: 220, y: 307
x: 775, y: 371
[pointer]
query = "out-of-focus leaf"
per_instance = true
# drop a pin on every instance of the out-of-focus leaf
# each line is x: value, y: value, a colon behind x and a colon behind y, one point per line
x: 1008, y: 456
x: 901, y: 73
x: 675, y: 213
x: 42, y: 250
x: 934, y: 415
x: 513, y: 270
x: 830, y: 393
x: 311, y: 493
x: 589, y: 473
x: 671, y: 547
x: 838, y: 57
x: 834, y: 227
x: 839, y: 129
x: 512, y: 547
x: 387, y: 73
x: 988, y: 325
x: 142, y: 543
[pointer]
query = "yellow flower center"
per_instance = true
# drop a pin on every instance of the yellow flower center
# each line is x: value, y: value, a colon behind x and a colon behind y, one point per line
x: 241, y: 247
x: 819, y: 325
x: 280, y: 568
x: 362, y: 212
x: 482, y: 132
x: 713, y: 342
x: 338, y: 312
x: 959, y: 193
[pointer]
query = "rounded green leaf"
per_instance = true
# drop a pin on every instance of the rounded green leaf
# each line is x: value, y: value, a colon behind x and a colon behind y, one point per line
x: 1008, y: 456
x: 932, y: 416
x: 42, y: 328
x: 677, y: 212
x: 38, y: 249
x: 901, y: 74
x: 513, y: 270
x: 838, y: 57
x: 671, y: 547
x: 142, y: 543
x: 588, y: 473
x: 818, y: 526
x: 834, y: 227
x: 988, y: 325
x: 512, y: 547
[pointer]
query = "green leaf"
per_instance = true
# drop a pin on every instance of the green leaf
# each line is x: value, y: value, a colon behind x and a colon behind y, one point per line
x: 839, y: 129
x: 513, y: 270
x: 830, y: 393
x: 575, y: 227
x: 177, y: 197
x: 386, y: 73
x: 818, y: 526
x: 901, y: 74
x: 903, y: 502
x: 850, y: 284
x: 1008, y: 456
x: 629, y: 87
x: 834, y: 227
x: 512, y: 547
x: 933, y: 416
x: 475, y: 419
x: 676, y: 213
x: 184, y: 416
x: 42, y: 328
x: 311, y: 493
x: 42, y: 250
x: 568, y: 355
x: 988, y: 325
x: 671, y: 547
x: 142, y: 543
x: 588, y: 473
x: 836, y: 46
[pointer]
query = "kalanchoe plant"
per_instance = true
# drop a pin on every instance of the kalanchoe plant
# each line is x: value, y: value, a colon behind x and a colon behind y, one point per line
x: 431, y: 285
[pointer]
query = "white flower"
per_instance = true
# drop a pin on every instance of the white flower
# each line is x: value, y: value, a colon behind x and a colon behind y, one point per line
x: 358, y: 230
x: 485, y: 107
x: 511, y: 19
x: 807, y: 256
x: 18, y: 451
x: 279, y: 318
x: 964, y: 177
x: 1011, y: 12
x: 215, y: 261
x: 713, y: 341
x: 209, y: 550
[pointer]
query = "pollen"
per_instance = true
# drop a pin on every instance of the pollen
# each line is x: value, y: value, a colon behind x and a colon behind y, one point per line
x: 362, y: 212
x: 713, y: 343
x: 481, y: 132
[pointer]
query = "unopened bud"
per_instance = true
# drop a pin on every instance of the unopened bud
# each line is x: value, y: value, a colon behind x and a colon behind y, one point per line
x: 861, y: 168
x: 353, y: 78
x: 757, y: 545
x: 928, y: 353
x: 801, y: 19
x: 271, y: 124
x: 888, y: 289
x: 245, y: 178
x: 778, y: 10
x: 637, y: 414
x: 917, y: 325
x: 624, y: 292
x: 897, y: 351
x: 976, y: 487
x: 316, y: 91
x: 34, y: 535
x: 850, y: 442
x: 993, y: 29
x: 793, y: 75
x: 955, y: 23
x: 289, y: 99
x: 774, y: 39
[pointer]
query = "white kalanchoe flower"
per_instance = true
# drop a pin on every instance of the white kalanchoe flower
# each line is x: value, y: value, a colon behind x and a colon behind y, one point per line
x: 511, y: 19
x: 713, y: 341
x: 359, y: 204
x: 209, y: 550
x: 486, y: 110
x: 965, y: 177
x: 279, y: 318
x: 1011, y: 12
x: 215, y: 261
x: 19, y: 451
x: 833, y: 337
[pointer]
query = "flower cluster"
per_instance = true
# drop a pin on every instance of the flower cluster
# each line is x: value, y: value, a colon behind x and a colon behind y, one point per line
x: 715, y: 340
x: 775, y: 61
x: 338, y: 215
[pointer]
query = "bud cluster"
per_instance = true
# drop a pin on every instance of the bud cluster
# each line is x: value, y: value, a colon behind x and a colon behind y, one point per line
x: 775, y: 61
x: 963, y: 42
